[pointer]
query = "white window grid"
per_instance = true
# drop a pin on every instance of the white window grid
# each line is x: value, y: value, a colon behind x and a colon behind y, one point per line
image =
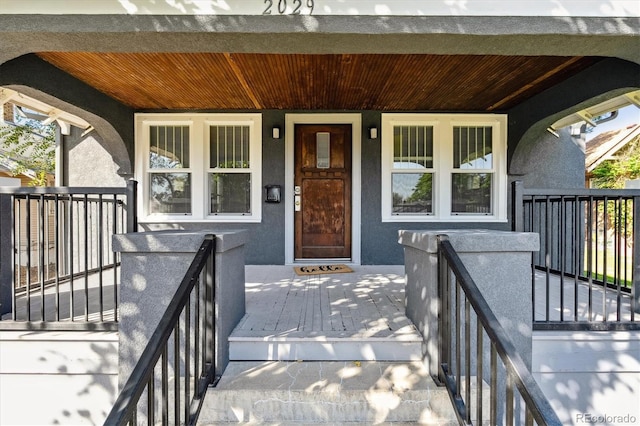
x: 199, y: 125
x: 443, y: 165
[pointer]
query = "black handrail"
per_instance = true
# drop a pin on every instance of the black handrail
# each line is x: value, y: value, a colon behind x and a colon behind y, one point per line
x: 200, y: 274
x: 130, y: 192
x: 597, y: 284
x: 58, y: 270
x: 536, y: 405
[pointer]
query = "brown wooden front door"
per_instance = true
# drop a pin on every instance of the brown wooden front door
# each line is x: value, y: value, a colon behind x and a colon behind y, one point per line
x: 323, y: 191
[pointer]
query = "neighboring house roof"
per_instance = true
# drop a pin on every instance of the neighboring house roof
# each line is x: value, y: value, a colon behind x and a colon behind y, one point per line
x: 605, y: 145
x: 7, y: 165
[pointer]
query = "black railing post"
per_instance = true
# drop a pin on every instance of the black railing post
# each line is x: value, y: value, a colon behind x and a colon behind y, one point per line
x: 132, y: 205
x: 635, y: 290
x: 444, y: 325
x: 6, y: 254
x: 517, y: 212
x: 210, y: 307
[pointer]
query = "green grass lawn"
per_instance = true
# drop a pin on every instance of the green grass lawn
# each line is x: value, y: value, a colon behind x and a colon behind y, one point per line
x: 625, y: 268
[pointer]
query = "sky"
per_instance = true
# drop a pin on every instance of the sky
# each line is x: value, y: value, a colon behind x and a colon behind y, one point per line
x: 626, y: 117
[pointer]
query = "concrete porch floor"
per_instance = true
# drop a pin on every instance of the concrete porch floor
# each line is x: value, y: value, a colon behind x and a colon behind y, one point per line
x: 358, y: 315
x: 573, y: 304
x: 291, y: 295
x: 366, y: 302
x: 369, y: 302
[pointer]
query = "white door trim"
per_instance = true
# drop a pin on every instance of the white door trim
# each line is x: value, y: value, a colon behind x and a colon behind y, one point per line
x: 291, y: 120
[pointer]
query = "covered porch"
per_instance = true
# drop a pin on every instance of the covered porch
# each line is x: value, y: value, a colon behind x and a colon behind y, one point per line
x: 530, y: 67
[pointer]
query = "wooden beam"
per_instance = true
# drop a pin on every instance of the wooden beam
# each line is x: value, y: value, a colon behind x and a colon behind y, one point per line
x: 243, y: 82
x: 535, y: 82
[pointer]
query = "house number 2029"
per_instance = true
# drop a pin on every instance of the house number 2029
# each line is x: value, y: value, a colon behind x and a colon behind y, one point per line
x: 280, y: 7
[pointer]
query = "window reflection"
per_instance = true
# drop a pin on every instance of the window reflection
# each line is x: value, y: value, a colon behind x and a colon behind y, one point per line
x: 230, y: 193
x: 412, y: 192
x: 471, y: 193
x: 170, y: 193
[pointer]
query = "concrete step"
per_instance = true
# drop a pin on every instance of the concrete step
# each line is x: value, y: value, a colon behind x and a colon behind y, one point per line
x: 589, y: 373
x: 69, y: 377
x: 325, y: 346
x: 280, y: 392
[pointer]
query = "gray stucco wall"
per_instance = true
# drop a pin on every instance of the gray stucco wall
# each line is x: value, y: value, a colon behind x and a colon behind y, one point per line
x: 606, y: 36
x: 551, y: 162
x: 153, y: 265
x: 509, y: 253
x: 88, y: 162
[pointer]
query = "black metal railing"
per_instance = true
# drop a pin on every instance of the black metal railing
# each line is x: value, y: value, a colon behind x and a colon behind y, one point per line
x: 585, y: 276
x: 57, y: 267
x: 477, y: 355
x: 168, y: 383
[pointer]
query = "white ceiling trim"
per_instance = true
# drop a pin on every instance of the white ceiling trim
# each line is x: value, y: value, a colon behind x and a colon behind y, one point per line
x: 63, y: 118
x: 590, y: 114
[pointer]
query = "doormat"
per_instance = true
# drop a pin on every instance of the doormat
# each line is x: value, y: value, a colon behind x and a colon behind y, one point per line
x: 322, y: 269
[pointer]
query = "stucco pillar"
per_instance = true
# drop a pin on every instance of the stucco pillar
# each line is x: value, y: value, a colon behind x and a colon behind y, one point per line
x: 500, y: 264
x: 153, y: 265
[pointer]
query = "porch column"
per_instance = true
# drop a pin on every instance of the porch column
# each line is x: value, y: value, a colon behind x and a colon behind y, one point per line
x: 6, y: 254
x: 153, y: 265
x: 500, y: 264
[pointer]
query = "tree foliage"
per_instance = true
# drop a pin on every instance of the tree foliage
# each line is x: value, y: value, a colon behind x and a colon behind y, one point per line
x: 31, y: 147
x: 423, y: 189
x: 615, y: 172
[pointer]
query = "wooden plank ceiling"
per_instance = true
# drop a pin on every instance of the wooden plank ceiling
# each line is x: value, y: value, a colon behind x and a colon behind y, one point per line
x: 385, y: 82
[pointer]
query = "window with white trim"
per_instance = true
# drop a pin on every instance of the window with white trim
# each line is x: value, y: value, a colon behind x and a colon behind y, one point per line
x: 441, y: 167
x: 202, y: 167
